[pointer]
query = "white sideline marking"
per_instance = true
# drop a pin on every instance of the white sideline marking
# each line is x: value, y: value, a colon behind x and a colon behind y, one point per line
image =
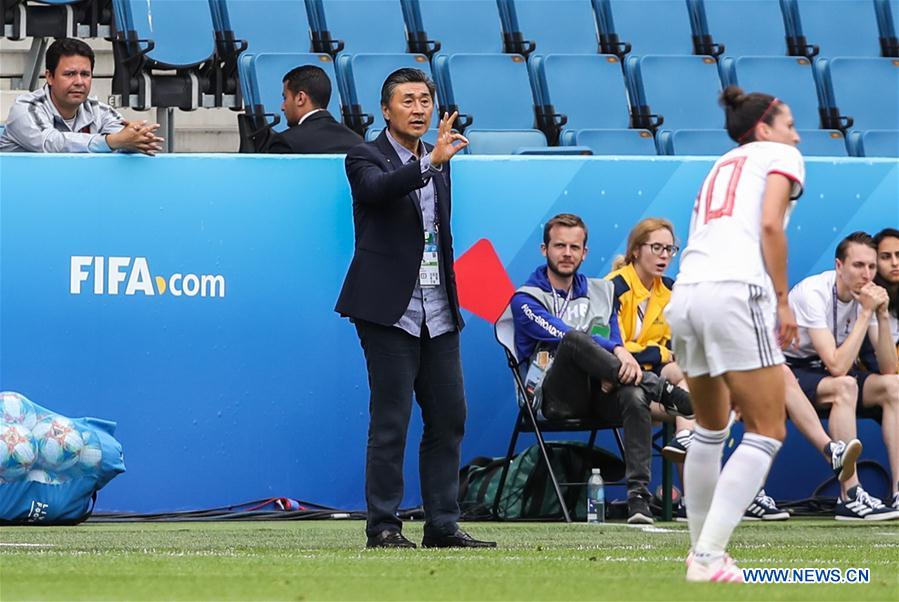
x: 27, y: 545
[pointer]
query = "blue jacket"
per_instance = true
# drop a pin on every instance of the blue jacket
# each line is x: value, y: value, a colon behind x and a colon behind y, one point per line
x: 540, y: 325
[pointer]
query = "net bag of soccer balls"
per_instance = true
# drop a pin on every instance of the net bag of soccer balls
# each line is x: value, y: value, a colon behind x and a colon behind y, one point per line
x: 51, y: 467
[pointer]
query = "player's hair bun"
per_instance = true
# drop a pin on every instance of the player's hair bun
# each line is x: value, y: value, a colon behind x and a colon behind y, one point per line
x: 733, y: 97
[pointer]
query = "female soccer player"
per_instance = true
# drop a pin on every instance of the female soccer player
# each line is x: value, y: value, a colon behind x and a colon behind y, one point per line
x: 732, y: 271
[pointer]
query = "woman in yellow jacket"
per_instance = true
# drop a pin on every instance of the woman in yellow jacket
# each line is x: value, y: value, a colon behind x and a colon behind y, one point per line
x: 642, y: 291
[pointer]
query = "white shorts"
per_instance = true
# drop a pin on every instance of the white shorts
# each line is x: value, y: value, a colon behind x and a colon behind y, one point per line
x: 720, y: 327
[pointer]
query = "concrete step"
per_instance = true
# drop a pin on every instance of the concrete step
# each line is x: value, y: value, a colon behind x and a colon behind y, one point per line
x: 189, y: 140
x: 14, y: 54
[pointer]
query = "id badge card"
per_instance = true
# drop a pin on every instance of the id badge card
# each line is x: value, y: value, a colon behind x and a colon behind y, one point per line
x: 601, y: 330
x: 429, y: 274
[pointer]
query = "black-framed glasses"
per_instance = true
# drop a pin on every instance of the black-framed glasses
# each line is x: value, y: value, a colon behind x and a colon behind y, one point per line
x: 657, y: 248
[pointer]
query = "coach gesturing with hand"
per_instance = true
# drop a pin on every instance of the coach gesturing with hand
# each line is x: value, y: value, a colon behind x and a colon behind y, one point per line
x: 400, y: 292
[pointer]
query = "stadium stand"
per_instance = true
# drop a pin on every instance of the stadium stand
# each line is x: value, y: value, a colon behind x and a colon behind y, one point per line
x: 857, y: 34
x: 503, y: 142
x: 164, y: 59
x: 506, y: 104
x: 742, y: 27
x: 669, y: 31
x: 163, y: 53
x: 612, y: 142
x: 687, y: 101
x: 872, y: 106
x: 447, y: 27
x: 363, y: 25
x: 875, y: 143
x: 590, y: 92
x: 555, y: 26
x: 695, y: 142
x: 55, y: 19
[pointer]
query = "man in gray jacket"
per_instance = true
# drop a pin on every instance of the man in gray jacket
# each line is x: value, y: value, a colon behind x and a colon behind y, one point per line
x: 61, y: 118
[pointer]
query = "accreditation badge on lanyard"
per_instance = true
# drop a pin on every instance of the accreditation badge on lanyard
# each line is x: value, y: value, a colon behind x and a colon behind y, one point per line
x: 429, y: 274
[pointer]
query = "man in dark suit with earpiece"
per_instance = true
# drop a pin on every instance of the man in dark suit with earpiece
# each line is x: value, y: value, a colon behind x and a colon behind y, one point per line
x: 313, y: 130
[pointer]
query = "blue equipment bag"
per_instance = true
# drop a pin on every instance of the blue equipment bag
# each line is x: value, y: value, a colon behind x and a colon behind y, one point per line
x: 51, y: 467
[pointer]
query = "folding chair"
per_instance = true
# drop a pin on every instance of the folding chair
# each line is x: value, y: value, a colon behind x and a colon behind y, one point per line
x: 529, y: 422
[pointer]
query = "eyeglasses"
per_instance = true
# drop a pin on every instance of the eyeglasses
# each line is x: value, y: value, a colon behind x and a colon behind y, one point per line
x: 657, y: 248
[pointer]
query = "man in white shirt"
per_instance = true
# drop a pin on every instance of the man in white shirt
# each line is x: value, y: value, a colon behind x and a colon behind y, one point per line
x: 844, y: 323
x: 61, y: 117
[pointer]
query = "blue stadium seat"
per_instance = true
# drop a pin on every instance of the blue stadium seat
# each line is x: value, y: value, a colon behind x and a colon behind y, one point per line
x: 450, y: 26
x: 589, y: 90
x: 55, y: 19
x: 863, y: 89
x: 364, y: 25
x: 888, y: 17
x: 430, y: 136
x: 505, y: 104
x: 557, y: 26
x: 875, y: 143
x: 822, y: 143
x: 683, y: 90
x: 649, y: 26
x: 264, y: 87
x: 503, y: 142
x: 364, y: 74
x: 744, y: 27
x: 612, y: 142
x: 837, y: 27
x: 163, y: 36
x: 695, y: 142
x: 267, y: 25
x: 790, y: 79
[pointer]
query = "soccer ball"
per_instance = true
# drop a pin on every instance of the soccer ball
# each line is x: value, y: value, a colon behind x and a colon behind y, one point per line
x: 91, y: 453
x: 17, y: 451
x: 42, y: 476
x: 58, y: 443
x: 17, y: 409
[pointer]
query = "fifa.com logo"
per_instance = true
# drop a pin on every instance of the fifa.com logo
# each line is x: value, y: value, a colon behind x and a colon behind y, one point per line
x: 127, y: 275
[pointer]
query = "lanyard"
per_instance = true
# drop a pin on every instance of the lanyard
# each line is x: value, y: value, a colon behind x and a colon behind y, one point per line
x: 835, y: 301
x: 560, y: 311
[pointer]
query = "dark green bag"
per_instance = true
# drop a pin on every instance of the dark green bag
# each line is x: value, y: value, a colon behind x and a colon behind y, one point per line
x: 528, y: 492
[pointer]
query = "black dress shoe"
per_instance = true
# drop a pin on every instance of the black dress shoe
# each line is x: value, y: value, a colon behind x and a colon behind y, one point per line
x: 459, y: 539
x: 389, y: 539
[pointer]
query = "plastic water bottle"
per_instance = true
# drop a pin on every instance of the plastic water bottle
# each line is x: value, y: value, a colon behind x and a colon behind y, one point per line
x: 596, y: 498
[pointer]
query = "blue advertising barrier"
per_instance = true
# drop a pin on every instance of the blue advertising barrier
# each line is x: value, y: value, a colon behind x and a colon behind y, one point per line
x: 190, y: 299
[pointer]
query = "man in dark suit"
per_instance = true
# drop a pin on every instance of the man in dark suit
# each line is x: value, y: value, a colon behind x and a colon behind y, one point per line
x: 307, y: 91
x: 400, y: 292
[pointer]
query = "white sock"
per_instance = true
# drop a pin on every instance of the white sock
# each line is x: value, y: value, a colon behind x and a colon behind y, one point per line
x: 701, y: 470
x: 740, y: 481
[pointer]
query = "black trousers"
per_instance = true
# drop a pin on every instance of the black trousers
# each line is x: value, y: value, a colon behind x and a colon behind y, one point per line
x: 571, y: 389
x: 399, y: 365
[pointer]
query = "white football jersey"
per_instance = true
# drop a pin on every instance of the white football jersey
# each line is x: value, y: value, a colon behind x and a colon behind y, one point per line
x: 725, y: 230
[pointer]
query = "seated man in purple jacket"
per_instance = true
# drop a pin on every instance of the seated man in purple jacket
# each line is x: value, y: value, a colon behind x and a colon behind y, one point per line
x: 567, y: 336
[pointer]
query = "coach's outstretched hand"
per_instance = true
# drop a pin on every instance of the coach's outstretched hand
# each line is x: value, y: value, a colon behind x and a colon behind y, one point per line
x: 448, y: 142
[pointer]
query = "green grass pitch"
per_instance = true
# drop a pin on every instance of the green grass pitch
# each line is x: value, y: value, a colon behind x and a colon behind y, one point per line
x: 325, y: 560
